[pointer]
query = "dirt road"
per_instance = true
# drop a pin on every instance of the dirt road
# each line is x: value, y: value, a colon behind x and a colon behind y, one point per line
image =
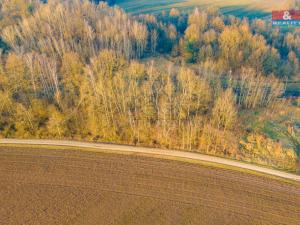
x: 152, y: 151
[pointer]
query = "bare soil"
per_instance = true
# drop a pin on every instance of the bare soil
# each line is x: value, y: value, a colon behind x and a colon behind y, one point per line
x: 41, y: 186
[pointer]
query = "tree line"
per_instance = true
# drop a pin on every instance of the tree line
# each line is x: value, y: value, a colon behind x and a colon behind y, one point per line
x: 78, y: 70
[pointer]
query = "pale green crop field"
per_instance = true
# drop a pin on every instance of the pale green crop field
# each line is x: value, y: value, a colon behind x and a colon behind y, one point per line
x: 249, y: 8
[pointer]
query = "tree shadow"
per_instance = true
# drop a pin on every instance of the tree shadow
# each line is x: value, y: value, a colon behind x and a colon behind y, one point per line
x: 157, y: 6
x: 145, y: 6
x: 242, y: 11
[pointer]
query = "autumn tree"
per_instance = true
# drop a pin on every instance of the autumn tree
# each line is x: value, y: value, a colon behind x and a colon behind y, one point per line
x: 59, y: 27
x: 79, y: 70
x: 224, y: 112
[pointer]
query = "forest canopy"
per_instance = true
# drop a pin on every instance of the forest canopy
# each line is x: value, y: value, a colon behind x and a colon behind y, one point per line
x: 84, y: 70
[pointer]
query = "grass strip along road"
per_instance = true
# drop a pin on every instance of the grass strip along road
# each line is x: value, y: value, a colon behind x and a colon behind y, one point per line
x: 152, y: 151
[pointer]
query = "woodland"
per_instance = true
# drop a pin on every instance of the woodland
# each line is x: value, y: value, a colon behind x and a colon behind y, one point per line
x: 202, y: 81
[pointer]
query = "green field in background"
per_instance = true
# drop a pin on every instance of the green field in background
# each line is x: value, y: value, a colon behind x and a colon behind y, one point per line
x: 241, y: 8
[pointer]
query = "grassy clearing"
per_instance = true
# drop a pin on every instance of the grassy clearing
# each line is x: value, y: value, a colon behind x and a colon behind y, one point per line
x: 241, y: 8
x: 278, y: 124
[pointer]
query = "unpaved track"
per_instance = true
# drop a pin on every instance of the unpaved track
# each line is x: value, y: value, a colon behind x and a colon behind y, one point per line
x: 39, y: 186
x: 151, y: 151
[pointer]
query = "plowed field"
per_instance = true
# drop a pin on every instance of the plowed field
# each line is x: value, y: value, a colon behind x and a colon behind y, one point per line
x: 41, y: 186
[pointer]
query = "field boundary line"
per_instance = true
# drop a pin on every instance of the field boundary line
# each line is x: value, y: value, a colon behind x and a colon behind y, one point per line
x: 100, y: 147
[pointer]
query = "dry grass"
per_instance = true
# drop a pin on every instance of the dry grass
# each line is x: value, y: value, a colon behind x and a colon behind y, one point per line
x: 38, y: 186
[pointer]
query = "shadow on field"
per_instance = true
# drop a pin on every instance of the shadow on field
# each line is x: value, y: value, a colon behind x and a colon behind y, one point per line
x: 244, y: 11
x: 145, y: 6
x: 156, y: 6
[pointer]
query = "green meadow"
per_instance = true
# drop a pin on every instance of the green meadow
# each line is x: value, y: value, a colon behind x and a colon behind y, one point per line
x: 241, y: 8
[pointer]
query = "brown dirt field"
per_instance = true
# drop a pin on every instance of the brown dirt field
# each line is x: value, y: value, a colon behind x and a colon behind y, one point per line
x: 40, y: 187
